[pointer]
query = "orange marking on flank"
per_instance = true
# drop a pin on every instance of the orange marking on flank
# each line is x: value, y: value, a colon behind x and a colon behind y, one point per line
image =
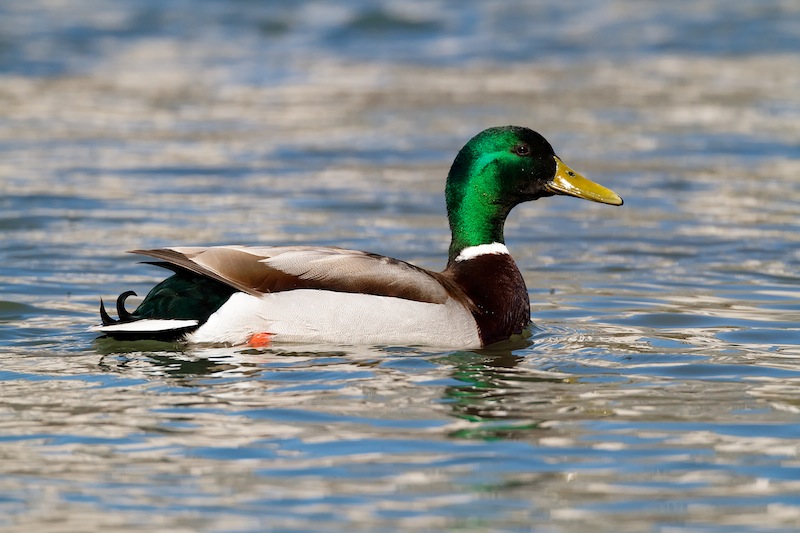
x: 260, y: 340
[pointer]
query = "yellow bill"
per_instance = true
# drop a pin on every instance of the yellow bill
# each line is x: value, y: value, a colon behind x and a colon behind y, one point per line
x: 567, y: 181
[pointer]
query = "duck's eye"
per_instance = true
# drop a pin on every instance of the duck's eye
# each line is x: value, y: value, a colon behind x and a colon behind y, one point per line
x: 522, y: 150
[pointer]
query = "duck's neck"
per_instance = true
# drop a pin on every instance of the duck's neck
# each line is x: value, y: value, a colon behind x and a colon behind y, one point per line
x: 475, y: 208
x: 471, y: 228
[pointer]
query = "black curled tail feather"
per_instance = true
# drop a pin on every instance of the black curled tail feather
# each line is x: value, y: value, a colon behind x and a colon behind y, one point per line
x: 124, y: 315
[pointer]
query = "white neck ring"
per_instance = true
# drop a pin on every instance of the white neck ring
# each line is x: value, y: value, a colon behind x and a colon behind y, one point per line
x: 471, y: 252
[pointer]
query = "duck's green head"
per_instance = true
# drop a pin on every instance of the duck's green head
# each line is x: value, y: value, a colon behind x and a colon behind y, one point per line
x: 500, y: 168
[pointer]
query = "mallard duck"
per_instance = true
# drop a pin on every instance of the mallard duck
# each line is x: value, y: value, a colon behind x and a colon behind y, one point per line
x: 256, y: 295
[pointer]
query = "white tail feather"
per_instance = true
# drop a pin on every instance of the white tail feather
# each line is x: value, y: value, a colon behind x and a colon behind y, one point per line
x: 146, y: 325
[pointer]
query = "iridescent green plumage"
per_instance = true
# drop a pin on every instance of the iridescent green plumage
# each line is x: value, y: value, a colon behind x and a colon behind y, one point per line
x: 184, y: 295
x: 496, y: 170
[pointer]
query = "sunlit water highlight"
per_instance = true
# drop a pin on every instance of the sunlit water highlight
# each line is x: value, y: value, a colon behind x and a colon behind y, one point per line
x: 658, y: 390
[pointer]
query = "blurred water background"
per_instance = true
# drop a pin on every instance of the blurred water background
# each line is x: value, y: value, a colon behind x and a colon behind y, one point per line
x: 660, y: 391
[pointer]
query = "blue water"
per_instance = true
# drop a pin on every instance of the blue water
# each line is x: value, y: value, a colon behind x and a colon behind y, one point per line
x: 658, y: 390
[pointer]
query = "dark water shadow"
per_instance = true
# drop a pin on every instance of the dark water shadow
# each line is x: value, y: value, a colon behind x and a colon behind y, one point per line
x: 491, y: 383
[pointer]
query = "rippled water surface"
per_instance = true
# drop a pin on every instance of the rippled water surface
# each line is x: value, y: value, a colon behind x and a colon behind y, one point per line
x: 659, y: 391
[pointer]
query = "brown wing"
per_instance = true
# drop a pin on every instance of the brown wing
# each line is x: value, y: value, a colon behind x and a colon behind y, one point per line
x: 258, y: 270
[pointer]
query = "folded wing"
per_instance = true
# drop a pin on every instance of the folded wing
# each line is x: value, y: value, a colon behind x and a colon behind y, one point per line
x: 259, y: 270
